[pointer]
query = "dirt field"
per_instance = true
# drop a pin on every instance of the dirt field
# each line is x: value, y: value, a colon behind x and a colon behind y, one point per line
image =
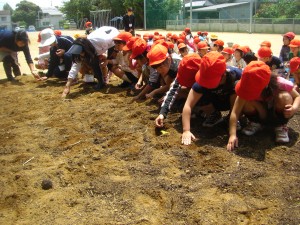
x: 96, y: 158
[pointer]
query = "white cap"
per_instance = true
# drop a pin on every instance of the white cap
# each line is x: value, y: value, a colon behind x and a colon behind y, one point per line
x: 102, y: 38
x: 47, y: 37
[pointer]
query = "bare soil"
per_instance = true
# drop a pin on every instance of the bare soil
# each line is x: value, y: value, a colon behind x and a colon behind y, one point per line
x: 97, y: 158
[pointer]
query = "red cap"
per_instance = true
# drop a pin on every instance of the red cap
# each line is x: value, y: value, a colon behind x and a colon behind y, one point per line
x: 228, y: 50
x: 196, y: 40
x: 180, y: 41
x: 169, y: 34
x: 219, y: 43
x: 235, y: 46
x: 255, y: 77
x: 138, y: 48
x: 199, y: 32
x: 130, y: 43
x: 290, y: 35
x: 264, y: 52
x: 181, y: 45
x: 123, y: 36
x: 187, y: 29
x: 157, y: 54
x: 202, y: 45
x: 170, y: 44
x: 156, y: 37
x: 174, y: 36
x: 242, y: 48
x: 187, y: 69
x: 205, y: 33
x: 212, y: 68
x: 156, y: 33
x: 151, y: 36
x: 295, y: 43
x: 294, y: 64
x: 88, y: 24
x: 266, y: 43
x: 57, y: 32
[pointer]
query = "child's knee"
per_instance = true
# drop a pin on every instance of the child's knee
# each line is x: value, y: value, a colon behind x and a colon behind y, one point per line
x: 282, y: 99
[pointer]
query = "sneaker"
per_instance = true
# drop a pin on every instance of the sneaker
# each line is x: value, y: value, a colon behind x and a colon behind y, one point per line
x: 282, y: 134
x: 213, y: 119
x: 252, y: 128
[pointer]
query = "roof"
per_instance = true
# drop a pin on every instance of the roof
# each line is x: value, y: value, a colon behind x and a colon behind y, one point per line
x: 220, y: 6
x: 52, y: 11
x: 5, y: 12
x: 198, y: 4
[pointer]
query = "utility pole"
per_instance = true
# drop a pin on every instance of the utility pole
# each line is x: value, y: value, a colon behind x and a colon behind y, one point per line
x: 145, y: 16
x: 251, y: 14
x: 191, y: 13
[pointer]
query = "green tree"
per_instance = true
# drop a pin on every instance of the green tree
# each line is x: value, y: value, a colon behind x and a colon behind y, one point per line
x: 25, y: 11
x: 7, y: 7
x: 280, y: 9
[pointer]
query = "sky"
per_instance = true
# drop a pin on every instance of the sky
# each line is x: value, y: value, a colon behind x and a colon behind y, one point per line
x: 41, y: 3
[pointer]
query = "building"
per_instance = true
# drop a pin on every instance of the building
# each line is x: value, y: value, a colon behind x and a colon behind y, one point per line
x: 236, y: 11
x: 49, y: 17
x: 5, y: 20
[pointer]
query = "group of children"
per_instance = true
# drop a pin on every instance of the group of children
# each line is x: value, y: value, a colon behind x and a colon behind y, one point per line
x: 208, y: 76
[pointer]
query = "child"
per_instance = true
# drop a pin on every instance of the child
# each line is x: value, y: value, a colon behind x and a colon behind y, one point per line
x: 162, y: 62
x: 295, y: 48
x: 261, y: 95
x: 202, y: 48
x: 183, y: 49
x: 218, y: 46
x: 88, y: 28
x: 285, y: 49
x: 227, y: 53
x: 149, y: 75
x: 181, y: 86
x: 265, y: 54
x: 121, y: 64
x: 214, y: 86
x: 295, y: 70
x: 238, y: 60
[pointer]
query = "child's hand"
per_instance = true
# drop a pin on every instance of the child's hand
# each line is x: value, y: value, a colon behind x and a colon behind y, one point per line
x: 60, y: 52
x: 138, y: 86
x: 159, y: 121
x: 187, y: 138
x: 232, y: 142
x: 288, y: 111
x: 150, y: 95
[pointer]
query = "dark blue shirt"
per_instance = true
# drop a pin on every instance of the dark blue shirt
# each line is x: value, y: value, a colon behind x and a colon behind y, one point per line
x: 7, y: 40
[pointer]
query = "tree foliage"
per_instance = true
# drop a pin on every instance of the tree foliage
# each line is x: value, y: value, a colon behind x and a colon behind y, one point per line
x: 280, y: 9
x: 7, y: 7
x: 26, y: 11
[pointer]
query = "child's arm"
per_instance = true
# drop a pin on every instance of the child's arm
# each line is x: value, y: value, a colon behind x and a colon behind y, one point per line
x: 163, y: 89
x: 191, y: 101
x: 235, y: 114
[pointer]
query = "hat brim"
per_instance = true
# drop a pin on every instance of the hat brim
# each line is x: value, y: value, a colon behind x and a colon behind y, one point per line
x: 75, y: 49
x: 48, y: 41
x: 125, y: 48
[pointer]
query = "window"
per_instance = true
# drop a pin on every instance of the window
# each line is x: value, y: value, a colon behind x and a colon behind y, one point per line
x: 3, y: 18
x: 46, y: 24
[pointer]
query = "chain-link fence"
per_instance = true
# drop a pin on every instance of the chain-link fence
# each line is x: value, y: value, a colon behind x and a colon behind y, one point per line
x: 256, y: 25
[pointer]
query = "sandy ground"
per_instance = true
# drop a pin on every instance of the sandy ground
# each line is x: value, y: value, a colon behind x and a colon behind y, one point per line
x: 96, y: 158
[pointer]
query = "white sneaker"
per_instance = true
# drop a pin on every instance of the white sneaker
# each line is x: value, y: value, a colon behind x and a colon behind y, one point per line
x: 252, y: 128
x: 282, y: 134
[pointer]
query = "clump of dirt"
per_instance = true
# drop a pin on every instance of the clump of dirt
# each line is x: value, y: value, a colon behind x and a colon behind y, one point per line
x: 109, y: 165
